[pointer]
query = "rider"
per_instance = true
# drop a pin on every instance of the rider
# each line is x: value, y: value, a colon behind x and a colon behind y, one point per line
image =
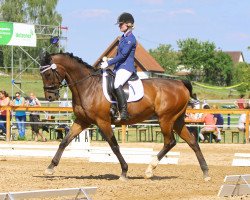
x: 123, y: 61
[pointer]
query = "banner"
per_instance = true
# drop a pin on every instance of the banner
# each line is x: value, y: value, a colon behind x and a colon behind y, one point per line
x: 17, y: 34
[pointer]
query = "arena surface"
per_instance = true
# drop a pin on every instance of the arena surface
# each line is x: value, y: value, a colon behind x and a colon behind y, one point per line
x: 182, y: 181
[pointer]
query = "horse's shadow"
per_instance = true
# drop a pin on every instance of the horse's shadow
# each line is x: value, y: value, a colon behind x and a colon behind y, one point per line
x: 105, y: 177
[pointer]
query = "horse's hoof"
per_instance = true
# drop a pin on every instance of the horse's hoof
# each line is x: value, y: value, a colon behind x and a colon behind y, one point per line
x: 148, y: 175
x: 49, y: 172
x: 122, y: 178
x: 208, y: 178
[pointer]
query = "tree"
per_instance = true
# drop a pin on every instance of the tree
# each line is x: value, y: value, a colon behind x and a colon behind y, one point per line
x: 219, y: 69
x: 241, y: 73
x: 32, y: 12
x: 194, y: 54
x: 166, y: 57
x: 205, y: 62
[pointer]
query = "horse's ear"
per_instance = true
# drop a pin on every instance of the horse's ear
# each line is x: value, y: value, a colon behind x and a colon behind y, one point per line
x: 43, y: 57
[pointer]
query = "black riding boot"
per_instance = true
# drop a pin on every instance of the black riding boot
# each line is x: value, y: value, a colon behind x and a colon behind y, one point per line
x: 122, y: 103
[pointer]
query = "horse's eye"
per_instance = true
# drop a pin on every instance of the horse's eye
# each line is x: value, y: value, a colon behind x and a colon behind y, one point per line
x: 47, y: 75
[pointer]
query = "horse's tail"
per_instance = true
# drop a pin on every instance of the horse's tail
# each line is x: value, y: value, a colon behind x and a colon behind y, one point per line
x: 189, y: 86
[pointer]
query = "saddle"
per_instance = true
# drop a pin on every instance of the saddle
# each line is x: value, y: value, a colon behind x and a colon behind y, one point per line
x: 109, y: 90
x: 110, y: 84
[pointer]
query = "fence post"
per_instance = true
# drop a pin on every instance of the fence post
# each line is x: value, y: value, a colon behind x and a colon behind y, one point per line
x: 247, y: 126
x: 123, y: 133
x: 8, y: 109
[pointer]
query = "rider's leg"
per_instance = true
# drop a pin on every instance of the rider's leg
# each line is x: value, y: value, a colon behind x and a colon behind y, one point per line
x: 121, y: 77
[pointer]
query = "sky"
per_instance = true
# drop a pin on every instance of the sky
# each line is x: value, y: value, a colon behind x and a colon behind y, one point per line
x: 91, y: 24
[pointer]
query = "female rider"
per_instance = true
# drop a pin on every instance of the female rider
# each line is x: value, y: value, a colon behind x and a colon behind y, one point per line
x: 123, y: 61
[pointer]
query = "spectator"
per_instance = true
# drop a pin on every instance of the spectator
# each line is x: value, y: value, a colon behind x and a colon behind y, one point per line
x: 20, y: 115
x: 242, y: 121
x: 35, y: 118
x: 219, y: 118
x: 191, y: 117
x: 240, y: 103
x: 210, y: 125
x: 4, y: 101
x: 196, y: 105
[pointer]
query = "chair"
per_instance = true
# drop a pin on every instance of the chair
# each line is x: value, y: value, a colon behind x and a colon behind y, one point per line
x: 142, y: 131
x: 119, y: 132
x: 209, y: 136
x: 237, y: 134
x: 158, y: 133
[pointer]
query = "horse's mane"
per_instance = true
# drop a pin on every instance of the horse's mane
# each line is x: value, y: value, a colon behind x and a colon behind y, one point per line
x: 79, y: 60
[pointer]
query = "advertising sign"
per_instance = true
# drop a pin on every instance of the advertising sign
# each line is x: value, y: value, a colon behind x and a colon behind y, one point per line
x: 17, y: 34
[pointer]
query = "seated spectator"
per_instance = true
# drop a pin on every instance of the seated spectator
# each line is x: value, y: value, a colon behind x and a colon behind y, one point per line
x: 242, y: 121
x: 191, y: 116
x: 219, y: 118
x: 4, y: 101
x: 210, y: 125
x: 240, y: 103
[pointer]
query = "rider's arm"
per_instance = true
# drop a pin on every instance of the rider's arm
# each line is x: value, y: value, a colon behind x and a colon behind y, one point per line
x: 123, y: 53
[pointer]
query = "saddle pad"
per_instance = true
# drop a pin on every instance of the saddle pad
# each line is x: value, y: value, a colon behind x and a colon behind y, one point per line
x: 136, y: 90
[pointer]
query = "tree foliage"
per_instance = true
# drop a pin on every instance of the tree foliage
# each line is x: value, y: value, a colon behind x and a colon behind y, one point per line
x: 241, y: 73
x: 31, y: 12
x: 166, y: 57
x: 203, y: 60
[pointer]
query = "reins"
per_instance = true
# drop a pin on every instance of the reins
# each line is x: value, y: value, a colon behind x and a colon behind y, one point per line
x: 96, y: 73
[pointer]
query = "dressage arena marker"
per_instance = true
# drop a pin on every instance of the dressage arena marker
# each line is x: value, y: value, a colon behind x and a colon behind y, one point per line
x: 94, y: 154
x: 132, y: 155
x: 85, y: 191
x: 242, y: 159
x: 80, y: 148
x: 239, y: 188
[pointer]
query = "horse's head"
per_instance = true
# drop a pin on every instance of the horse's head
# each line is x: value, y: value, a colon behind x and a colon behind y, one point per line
x: 52, y: 77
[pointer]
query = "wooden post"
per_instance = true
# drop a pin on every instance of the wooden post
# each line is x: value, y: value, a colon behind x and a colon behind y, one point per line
x: 8, y: 124
x: 247, y: 126
x: 123, y: 133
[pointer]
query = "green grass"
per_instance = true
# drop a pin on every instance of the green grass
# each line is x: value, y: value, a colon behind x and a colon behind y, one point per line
x: 33, y: 83
x: 29, y: 83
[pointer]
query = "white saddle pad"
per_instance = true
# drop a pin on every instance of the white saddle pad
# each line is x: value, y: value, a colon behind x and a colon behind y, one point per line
x: 136, y: 90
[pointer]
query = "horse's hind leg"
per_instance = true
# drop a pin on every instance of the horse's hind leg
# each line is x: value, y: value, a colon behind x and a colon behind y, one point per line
x: 75, y: 130
x: 182, y: 130
x: 169, y: 143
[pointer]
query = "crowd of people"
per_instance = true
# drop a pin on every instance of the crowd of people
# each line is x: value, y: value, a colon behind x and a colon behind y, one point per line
x: 213, y: 122
x: 20, y: 116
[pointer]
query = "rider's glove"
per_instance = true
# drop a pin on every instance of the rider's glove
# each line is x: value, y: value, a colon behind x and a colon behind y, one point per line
x: 104, y: 64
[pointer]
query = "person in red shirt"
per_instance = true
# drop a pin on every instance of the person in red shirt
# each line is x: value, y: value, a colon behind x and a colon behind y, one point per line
x: 240, y: 103
x: 210, y: 125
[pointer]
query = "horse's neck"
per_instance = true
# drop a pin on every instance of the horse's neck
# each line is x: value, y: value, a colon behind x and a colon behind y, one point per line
x: 80, y: 84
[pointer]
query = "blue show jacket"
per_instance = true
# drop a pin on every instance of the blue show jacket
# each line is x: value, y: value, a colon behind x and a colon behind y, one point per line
x: 124, y: 58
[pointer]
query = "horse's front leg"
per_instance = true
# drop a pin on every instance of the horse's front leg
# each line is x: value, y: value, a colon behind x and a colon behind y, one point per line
x: 75, y: 130
x: 110, y: 137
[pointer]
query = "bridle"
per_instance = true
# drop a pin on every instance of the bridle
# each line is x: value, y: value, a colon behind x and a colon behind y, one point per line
x: 55, y: 88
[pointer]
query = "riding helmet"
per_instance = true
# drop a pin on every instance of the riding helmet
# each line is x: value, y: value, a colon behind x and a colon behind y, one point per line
x: 125, y: 18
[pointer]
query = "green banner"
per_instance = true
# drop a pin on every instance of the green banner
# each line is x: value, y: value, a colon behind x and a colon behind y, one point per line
x: 17, y: 34
x: 6, y: 32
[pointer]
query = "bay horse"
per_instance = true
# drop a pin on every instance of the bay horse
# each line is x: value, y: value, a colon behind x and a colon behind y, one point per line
x: 164, y: 98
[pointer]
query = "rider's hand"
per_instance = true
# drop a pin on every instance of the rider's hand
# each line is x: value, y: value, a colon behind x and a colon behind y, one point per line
x: 104, y: 64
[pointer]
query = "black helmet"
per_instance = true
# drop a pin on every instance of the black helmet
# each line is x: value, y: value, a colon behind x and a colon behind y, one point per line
x: 125, y: 18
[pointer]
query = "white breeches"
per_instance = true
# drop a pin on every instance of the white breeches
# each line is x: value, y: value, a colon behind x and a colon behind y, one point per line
x: 122, y: 75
